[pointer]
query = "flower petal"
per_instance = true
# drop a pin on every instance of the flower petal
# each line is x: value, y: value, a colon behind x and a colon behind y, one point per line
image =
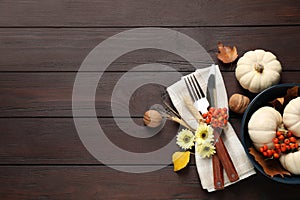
x: 185, y: 139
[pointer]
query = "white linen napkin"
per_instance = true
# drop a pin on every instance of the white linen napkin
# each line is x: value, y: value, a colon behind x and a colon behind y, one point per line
x: 177, y: 92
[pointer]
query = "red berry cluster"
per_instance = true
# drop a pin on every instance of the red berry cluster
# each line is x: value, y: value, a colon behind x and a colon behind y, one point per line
x: 284, y: 142
x: 217, y: 117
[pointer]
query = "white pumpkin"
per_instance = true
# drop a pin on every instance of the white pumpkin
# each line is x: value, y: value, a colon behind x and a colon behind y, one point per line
x: 291, y: 162
x: 291, y: 116
x: 263, y: 125
x: 258, y: 70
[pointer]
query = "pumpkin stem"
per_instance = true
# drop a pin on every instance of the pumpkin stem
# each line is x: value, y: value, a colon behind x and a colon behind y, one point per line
x: 259, y: 67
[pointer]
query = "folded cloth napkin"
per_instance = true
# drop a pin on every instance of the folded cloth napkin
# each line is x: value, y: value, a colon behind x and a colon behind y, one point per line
x: 178, y: 91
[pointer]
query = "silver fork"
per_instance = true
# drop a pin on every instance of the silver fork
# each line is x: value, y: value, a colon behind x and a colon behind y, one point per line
x: 197, y: 94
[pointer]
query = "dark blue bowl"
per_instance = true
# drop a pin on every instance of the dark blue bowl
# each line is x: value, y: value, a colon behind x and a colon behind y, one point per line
x: 259, y: 101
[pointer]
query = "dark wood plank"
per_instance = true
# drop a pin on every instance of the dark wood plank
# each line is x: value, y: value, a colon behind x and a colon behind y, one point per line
x: 148, y: 13
x: 104, y: 183
x: 65, y: 49
x: 55, y: 140
x: 42, y: 44
x: 50, y: 94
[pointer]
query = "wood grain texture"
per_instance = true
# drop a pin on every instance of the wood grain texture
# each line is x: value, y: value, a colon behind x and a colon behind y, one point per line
x: 42, y: 45
x: 50, y: 94
x: 65, y: 49
x: 55, y: 140
x: 26, y: 13
x: 100, y: 182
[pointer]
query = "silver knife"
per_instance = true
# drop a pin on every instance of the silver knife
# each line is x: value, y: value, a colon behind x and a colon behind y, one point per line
x: 220, y: 147
x: 217, y: 165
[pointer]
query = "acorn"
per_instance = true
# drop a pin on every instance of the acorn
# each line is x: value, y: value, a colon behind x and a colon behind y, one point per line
x: 238, y: 103
x: 152, y: 118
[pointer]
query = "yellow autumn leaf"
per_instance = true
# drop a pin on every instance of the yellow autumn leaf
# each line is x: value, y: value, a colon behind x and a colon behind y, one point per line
x: 180, y: 160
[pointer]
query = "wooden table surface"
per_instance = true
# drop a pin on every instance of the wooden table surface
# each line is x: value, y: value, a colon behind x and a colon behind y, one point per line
x: 42, y: 45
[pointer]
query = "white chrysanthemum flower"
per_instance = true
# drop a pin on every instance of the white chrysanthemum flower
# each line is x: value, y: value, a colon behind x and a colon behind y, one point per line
x: 185, y: 139
x: 205, y: 149
x: 204, y: 133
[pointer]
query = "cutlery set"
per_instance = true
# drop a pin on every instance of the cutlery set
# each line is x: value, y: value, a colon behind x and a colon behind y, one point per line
x: 221, y: 160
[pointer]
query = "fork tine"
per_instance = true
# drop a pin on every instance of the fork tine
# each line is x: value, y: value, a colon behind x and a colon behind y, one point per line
x: 199, y: 87
x: 192, y: 89
x: 191, y: 92
x: 195, y: 87
x: 196, y: 93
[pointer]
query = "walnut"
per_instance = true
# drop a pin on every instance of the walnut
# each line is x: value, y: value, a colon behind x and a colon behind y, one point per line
x: 238, y: 103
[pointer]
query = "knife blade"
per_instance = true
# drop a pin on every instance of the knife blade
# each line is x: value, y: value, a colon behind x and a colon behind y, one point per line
x: 211, y: 91
x: 221, y: 150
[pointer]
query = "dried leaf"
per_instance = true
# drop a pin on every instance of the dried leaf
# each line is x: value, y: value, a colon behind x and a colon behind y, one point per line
x: 227, y: 54
x: 271, y: 167
x: 278, y: 104
x: 180, y: 160
x: 280, y: 100
x: 291, y: 94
